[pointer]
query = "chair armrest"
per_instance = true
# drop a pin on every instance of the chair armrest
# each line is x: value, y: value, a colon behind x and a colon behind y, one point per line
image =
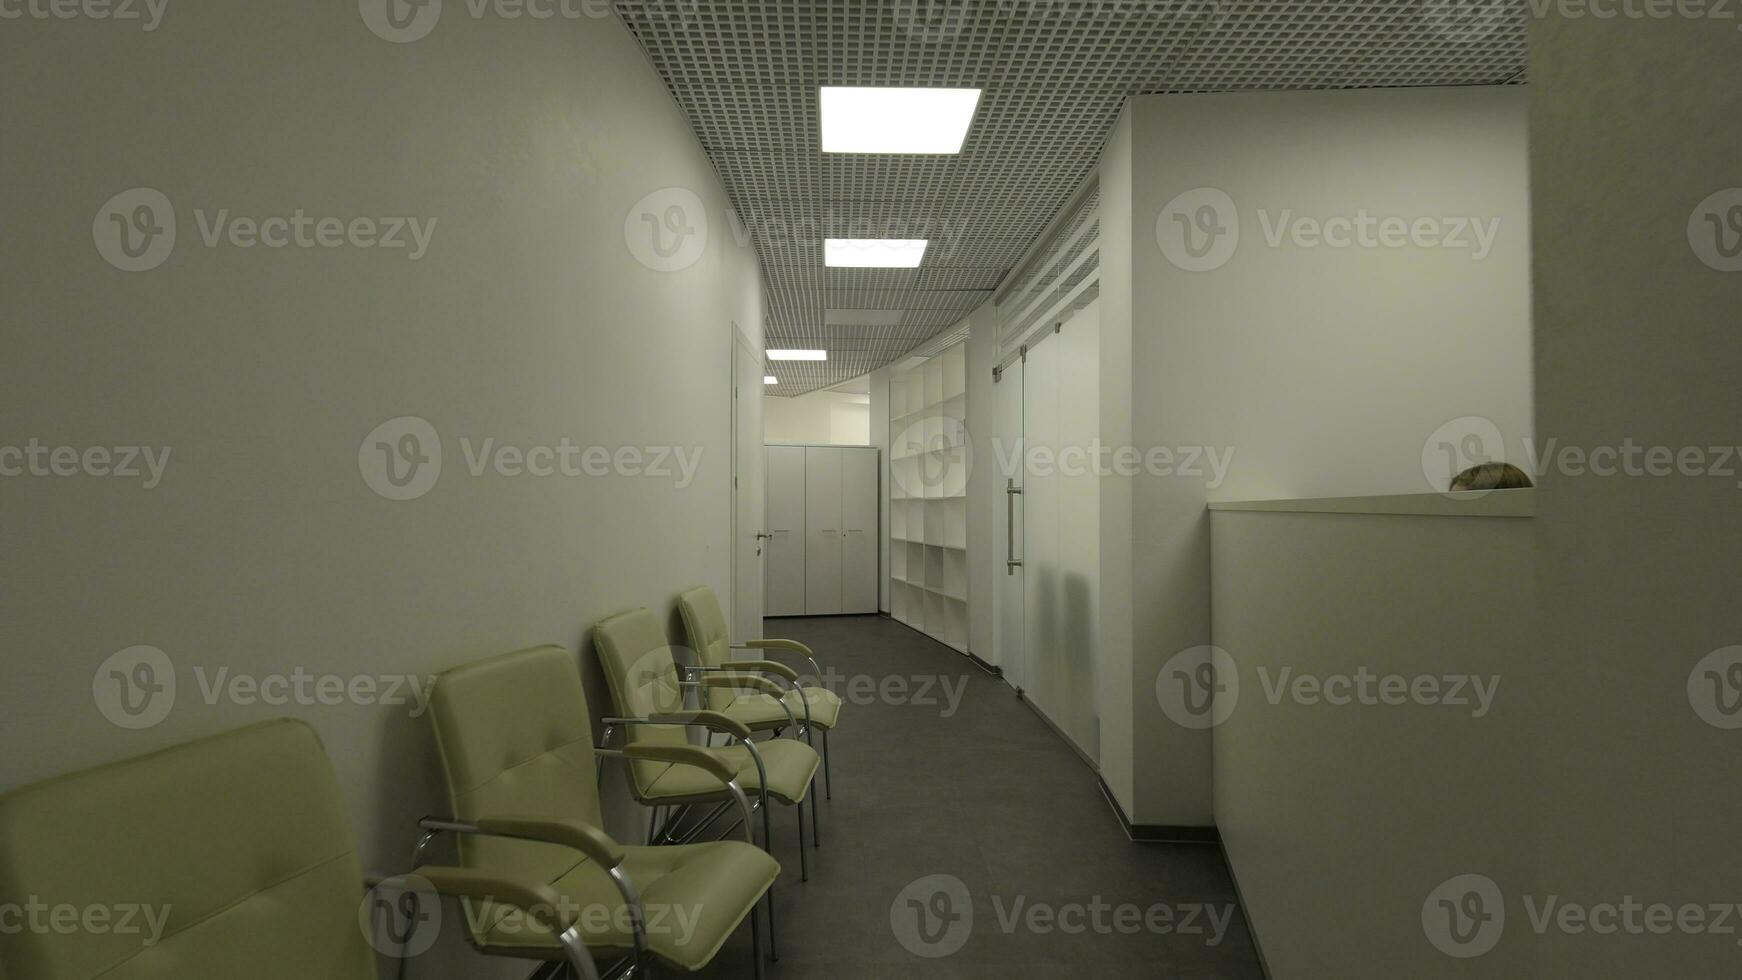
x: 792, y: 646
x: 711, y: 720
x: 786, y: 646
x: 758, y: 666
x: 587, y: 839
x: 531, y: 896
x: 684, y: 756
x: 737, y: 681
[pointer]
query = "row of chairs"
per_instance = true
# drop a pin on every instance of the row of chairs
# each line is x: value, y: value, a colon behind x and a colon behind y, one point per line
x: 243, y: 842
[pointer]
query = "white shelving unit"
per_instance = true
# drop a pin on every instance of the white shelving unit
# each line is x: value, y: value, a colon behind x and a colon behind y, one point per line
x: 928, y: 506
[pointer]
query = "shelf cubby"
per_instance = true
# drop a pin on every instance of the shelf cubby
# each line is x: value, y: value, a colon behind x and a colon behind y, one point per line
x: 928, y: 505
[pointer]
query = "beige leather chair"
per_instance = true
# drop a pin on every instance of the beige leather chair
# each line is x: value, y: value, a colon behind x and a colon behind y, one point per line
x: 516, y: 742
x: 240, y: 849
x: 813, y: 706
x: 649, y: 696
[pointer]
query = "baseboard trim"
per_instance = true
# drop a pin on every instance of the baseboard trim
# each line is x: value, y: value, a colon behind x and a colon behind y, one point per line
x: 992, y: 669
x: 1159, y: 833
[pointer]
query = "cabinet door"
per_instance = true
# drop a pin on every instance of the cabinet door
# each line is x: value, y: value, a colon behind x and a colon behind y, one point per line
x: 784, y: 584
x: 822, y: 553
x: 860, y: 528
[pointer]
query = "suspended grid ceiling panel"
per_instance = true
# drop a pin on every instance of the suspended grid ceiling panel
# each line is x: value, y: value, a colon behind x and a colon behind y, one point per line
x: 1054, y: 73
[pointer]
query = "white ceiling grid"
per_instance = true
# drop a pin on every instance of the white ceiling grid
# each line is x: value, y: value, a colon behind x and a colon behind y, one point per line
x: 1054, y: 75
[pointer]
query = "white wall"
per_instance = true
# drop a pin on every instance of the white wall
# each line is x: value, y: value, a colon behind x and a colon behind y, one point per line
x: 1120, y: 696
x: 1307, y: 370
x: 1635, y: 339
x: 1596, y: 780
x: 878, y: 381
x: 528, y: 321
x: 985, y: 483
x: 1325, y: 369
x: 1339, y: 819
x: 818, y: 418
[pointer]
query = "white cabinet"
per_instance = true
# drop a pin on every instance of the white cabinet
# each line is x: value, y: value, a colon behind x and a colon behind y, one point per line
x: 822, y: 513
x: 784, y: 585
x: 822, y: 549
x: 859, y: 473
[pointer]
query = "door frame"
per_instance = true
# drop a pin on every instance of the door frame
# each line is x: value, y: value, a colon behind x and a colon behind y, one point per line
x: 749, y: 494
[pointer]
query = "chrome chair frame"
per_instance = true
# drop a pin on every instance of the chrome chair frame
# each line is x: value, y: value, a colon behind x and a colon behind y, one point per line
x: 817, y: 670
x: 579, y: 957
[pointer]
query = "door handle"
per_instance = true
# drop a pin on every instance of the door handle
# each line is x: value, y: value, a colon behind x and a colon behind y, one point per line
x: 1011, y: 492
x: 760, y: 536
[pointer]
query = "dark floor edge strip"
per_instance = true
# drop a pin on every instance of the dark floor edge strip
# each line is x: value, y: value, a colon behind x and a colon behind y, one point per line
x: 1186, y: 834
x: 1245, y: 911
x: 1158, y: 833
x: 993, y: 669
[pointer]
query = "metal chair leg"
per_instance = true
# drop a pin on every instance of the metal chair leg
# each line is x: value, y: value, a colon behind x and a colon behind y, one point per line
x: 816, y: 828
x: 804, y: 869
x: 828, y: 775
x: 767, y: 836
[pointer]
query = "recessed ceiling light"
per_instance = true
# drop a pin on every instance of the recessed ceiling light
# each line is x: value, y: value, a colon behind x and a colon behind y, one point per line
x: 896, y: 120
x: 798, y: 355
x: 873, y: 253
x: 769, y: 379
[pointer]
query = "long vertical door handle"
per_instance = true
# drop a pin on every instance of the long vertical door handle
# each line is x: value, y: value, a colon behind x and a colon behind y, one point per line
x: 1011, y: 492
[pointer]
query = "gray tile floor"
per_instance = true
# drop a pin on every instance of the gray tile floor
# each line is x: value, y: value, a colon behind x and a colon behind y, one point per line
x: 966, y: 781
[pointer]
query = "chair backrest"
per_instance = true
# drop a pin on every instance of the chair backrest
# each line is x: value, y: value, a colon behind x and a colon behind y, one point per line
x: 706, y: 626
x: 235, y: 851
x: 516, y: 740
x: 642, y: 676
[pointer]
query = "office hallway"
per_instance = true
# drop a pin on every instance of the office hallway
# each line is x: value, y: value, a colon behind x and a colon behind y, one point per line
x: 941, y: 771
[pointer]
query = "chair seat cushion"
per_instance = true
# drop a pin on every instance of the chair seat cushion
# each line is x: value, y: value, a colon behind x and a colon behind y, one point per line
x: 695, y: 895
x: 761, y: 712
x: 790, y: 764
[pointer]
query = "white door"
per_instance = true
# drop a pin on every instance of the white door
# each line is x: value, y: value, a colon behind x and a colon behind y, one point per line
x: 748, y: 510
x: 1008, y: 623
x: 1078, y: 547
x: 785, y: 558
x: 1060, y: 534
x: 822, y: 554
x: 1040, y: 527
x: 859, y: 528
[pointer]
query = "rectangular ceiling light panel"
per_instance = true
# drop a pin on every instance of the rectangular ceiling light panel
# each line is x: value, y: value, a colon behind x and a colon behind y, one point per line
x: 873, y: 253
x: 896, y: 120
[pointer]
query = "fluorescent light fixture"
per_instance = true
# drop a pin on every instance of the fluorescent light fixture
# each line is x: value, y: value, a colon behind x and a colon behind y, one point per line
x: 873, y: 253
x: 769, y: 379
x: 896, y: 120
x: 798, y: 355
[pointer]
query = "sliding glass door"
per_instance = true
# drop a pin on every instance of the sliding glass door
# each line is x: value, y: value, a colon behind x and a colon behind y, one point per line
x: 1048, y: 604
